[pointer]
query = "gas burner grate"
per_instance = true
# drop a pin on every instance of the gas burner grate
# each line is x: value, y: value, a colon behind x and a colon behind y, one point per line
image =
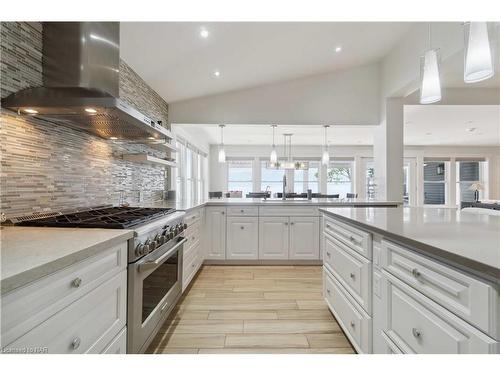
x: 108, y: 217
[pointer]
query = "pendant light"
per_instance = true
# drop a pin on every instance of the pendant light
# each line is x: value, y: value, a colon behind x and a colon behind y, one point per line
x: 325, y: 159
x: 222, y: 153
x: 430, y: 85
x: 477, y: 57
x: 289, y: 163
x: 273, y: 158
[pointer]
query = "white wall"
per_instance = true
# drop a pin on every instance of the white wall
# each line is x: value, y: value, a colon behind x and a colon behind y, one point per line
x: 348, y: 97
x: 218, y: 174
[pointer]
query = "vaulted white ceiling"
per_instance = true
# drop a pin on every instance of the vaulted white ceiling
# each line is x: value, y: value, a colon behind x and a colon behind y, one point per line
x: 179, y: 64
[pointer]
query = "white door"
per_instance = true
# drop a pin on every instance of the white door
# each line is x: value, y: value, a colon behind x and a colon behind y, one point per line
x: 304, y: 238
x: 242, y: 237
x: 215, y: 235
x: 273, y: 237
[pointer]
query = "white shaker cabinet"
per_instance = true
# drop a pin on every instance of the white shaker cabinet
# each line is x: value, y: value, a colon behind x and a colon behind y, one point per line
x: 304, y: 238
x: 242, y: 237
x: 215, y: 233
x: 273, y: 237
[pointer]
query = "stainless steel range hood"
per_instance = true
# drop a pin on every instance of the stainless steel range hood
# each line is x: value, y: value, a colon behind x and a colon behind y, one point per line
x: 81, y: 62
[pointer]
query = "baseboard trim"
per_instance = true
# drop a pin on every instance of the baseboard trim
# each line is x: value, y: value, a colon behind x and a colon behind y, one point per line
x: 262, y: 262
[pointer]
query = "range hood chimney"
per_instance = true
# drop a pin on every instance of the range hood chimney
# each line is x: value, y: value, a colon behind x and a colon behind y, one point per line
x: 81, y: 74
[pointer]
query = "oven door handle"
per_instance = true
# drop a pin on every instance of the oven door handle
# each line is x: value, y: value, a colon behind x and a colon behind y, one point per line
x: 155, y: 263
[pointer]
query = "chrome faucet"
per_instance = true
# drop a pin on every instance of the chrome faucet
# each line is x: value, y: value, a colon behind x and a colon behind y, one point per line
x: 284, y: 187
x: 268, y: 190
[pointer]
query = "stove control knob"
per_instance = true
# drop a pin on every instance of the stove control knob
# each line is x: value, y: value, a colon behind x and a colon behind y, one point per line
x: 147, y: 247
x: 153, y: 245
x: 185, y: 226
x: 163, y: 239
x: 139, y: 250
x: 158, y: 239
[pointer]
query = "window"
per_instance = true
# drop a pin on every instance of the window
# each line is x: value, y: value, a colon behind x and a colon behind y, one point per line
x: 435, y: 182
x: 406, y: 184
x: 271, y: 177
x: 239, y: 176
x: 190, y: 172
x: 339, y: 178
x: 306, y: 179
x: 469, y: 172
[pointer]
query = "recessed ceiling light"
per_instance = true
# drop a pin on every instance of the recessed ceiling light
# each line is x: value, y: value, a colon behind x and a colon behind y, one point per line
x: 30, y: 111
x: 204, y: 33
x: 217, y: 73
x: 90, y: 110
x: 113, y: 138
x: 338, y: 49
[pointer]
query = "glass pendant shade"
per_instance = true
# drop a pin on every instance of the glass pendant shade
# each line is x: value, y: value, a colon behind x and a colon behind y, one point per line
x: 222, y: 155
x: 430, y: 85
x: 274, y: 156
x: 325, y: 158
x: 478, y: 57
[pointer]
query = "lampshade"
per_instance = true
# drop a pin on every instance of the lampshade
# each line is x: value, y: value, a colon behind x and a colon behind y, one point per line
x: 274, y: 156
x: 478, y: 58
x: 222, y: 155
x: 325, y: 158
x: 476, y: 186
x: 430, y: 86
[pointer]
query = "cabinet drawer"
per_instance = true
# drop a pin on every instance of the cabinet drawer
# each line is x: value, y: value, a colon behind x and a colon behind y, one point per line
x: 473, y: 300
x: 356, y: 239
x: 192, y: 217
x: 242, y: 211
x: 25, y: 308
x: 352, y: 270
x: 189, y: 270
x: 118, y: 345
x: 357, y: 325
x: 85, y: 326
x: 418, y: 325
x: 389, y: 346
x: 289, y: 211
x: 192, y: 234
x: 190, y: 252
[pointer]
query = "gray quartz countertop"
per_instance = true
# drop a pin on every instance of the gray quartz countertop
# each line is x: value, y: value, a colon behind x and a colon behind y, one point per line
x: 466, y: 240
x: 189, y: 205
x: 28, y: 253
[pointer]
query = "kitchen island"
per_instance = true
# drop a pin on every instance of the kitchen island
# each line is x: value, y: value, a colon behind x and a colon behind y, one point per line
x: 413, y: 280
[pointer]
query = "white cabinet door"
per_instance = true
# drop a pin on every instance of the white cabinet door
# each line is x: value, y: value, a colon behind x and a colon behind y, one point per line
x: 215, y: 236
x: 304, y: 238
x: 242, y: 237
x: 273, y: 237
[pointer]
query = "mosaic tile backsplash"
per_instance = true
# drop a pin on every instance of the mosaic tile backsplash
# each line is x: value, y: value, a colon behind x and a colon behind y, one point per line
x: 50, y: 167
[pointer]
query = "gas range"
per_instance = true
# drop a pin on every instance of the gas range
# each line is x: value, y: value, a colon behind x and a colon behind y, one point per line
x: 153, y: 227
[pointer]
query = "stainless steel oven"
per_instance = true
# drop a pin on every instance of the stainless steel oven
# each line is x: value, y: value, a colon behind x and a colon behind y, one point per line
x: 154, y: 287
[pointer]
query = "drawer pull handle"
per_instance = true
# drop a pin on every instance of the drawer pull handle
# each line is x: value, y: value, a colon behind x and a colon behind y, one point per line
x: 416, y: 333
x: 222, y: 213
x: 242, y: 211
x: 292, y: 223
x: 242, y: 227
x: 75, y: 344
x: 328, y: 291
x: 328, y: 254
x: 76, y: 282
x: 286, y: 223
x: 352, y: 239
x: 353, y: 276
x: 416, y: 273
x: 328, y: 226
x: 352, y: 324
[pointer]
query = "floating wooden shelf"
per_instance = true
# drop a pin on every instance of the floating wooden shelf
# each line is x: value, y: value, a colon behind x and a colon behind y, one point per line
x: 163, y: 146
x: 145, y: 158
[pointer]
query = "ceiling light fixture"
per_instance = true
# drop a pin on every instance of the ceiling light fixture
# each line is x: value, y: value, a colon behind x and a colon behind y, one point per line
x: 222, y: 152
x: 430, y: 85
x: 289, y: 163
x: 325, y: 158
x: 204, y: 33
x: 273, y: 158
x: 478, y: 60
x: 217, y: 73
x: 338, y: 49
x: 31, y: 111
x: 90, y: 110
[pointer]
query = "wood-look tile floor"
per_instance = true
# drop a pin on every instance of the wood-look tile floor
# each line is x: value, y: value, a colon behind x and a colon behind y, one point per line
x: 252, y: 309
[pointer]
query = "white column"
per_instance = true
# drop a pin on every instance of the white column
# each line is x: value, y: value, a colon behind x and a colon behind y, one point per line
x: 388, y: 152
